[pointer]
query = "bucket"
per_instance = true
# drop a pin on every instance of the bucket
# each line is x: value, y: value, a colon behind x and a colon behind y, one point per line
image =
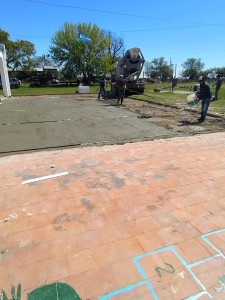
x: 192, y: 99
x: 191, y: 103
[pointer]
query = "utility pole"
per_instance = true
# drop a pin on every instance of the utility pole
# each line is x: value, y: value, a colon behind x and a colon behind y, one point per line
x: 171, y: 80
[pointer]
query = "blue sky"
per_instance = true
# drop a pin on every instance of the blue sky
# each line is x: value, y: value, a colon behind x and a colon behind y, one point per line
x: 174, y: 29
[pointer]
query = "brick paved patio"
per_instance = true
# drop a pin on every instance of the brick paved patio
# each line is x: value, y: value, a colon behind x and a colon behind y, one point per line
x: 141, y: 221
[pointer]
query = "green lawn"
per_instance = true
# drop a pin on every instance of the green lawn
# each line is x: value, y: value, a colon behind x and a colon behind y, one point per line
x: 25, y: 90
x: 164, y: 96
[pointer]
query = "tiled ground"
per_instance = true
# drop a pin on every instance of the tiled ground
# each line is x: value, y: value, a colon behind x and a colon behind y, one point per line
x: 136, y: 221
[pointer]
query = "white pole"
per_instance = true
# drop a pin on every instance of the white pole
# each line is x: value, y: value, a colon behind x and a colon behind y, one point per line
x: 4, y: 72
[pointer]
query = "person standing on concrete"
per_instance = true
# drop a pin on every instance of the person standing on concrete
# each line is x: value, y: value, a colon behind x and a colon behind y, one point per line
x: 120, y: 85
x: 204, y: 94
x: 102, y: 86
x: 217, y: 87
x: 112, y: 81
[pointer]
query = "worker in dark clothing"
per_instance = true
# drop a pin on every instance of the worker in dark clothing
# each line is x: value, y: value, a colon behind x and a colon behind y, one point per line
x: 204, y: 94
x: 120, y: 84
x: 102, y: 87
x: 113, y: 79
x: 217, y: 87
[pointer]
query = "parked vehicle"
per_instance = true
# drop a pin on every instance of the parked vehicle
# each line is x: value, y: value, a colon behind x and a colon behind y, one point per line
x: 14, y: 83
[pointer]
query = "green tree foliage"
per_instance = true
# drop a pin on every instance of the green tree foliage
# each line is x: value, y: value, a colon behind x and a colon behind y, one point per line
x: 192, y: 68
x: 211, y: 73
x: 42, y: 61
x: 19, y: 53
x: 4, y: 37
x: 158, y: 68
x: 220, y: 71
x: 84, y: 58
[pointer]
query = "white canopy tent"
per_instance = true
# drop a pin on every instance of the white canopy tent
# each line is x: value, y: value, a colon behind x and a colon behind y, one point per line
x: 4, y: 72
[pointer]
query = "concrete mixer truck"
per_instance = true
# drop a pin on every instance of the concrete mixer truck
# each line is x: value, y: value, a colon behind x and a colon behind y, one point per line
x: 130, y: 66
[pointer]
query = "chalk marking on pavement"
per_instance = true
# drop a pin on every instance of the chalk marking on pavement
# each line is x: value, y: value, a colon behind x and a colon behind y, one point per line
x: 171, y: 248
x: 44, y: 177
x: 177, y: 281
x: 159, y: 269
x: 204, y: 237
x: 197, y: 296
x: 126, y: 289
x: 222, y: 284
x: 146, y: 279
x: 10, y: 217
x: 27, y: 212
x: 203, y: 260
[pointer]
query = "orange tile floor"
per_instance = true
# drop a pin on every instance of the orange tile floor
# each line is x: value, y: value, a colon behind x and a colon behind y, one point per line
x: 141, y: 221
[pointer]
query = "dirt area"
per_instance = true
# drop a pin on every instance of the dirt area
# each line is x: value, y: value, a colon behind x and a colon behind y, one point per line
x: 179, y: 119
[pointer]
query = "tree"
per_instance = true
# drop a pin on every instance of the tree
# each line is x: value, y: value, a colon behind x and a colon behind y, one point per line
x: 158, y: 68
x: 148, y: 69
x: 115, y: 50
x: 18, y: 54
x: 213, y: 72
x: 220, y: 71
x: 192, y: 68
x: 41, y: 61
x: 4, y: 37
x: 84, y: 58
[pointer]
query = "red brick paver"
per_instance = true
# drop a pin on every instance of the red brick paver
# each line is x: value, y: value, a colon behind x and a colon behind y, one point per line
x: 135, y: 221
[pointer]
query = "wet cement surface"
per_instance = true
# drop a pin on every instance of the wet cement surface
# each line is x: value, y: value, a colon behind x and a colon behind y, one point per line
x: 46, y: 122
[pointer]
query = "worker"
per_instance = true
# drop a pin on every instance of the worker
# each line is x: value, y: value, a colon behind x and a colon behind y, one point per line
x: 204, y: 94
x: 120, y: 84
x: 102, y: 87
x: 217, y: 87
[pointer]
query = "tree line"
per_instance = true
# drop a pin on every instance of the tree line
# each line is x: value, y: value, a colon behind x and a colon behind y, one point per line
x: 74, y: 57
x: 192, y: 68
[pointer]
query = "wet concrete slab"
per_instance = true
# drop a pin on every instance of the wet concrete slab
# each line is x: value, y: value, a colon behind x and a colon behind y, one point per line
x: 34, y: 123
